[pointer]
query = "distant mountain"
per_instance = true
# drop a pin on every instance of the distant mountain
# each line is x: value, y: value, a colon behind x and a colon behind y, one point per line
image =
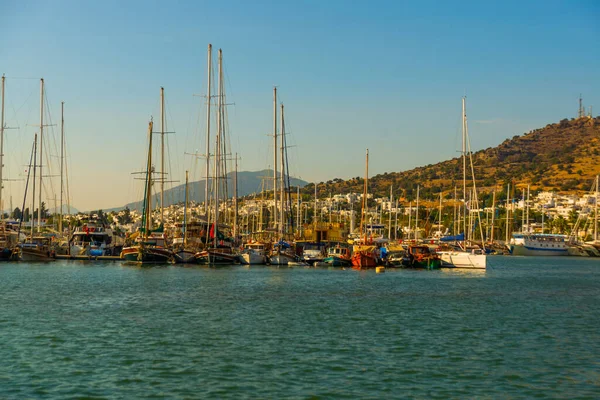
x: 562, y: 157
x: 66, y: 209
x: 248, y: 183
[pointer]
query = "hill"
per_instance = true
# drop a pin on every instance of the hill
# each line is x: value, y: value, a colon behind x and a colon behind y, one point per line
x: 563, y: 156
x: 248, y: 182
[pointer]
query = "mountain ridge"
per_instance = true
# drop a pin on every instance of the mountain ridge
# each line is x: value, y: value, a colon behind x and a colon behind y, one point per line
x: 562, y: 156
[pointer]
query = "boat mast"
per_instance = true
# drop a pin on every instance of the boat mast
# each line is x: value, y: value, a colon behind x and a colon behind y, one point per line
x: 62, y: 143
x: 2, y: 148
x: 162, y: 156
x: 464, y: 159
x: 41, y: 152
x: 148, y: 189
x: 31, y: 216
x: 185, y: 210
x: 275, y: 155
x: 217, y: 166
x: 208, y: 99
x: 364, y: 200
x: 282, y: 218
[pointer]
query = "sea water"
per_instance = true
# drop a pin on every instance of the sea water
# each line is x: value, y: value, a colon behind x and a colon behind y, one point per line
x: 526, y: 327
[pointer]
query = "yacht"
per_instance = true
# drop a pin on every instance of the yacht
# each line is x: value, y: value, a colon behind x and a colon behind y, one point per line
x: 539, y: 244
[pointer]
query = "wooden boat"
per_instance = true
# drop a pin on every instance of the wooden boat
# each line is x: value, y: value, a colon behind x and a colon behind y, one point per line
x: 254, y: 253
x: 151, y: 247
x: 338, y: 256
x: 364, y: 257
x: 282, y: 254
x: 217, y: 255
x: 421, y: 256
x: 38, y: 248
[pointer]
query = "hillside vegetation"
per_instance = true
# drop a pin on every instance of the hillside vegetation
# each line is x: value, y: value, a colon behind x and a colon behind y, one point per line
x: 562, y: 157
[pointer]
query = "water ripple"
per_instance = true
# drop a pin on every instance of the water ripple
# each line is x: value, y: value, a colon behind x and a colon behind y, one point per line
x: 524, y: 328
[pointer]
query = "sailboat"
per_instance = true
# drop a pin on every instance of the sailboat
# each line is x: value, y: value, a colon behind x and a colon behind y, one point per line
x: 364, y: 255
x: 282, y: 252
x: 8, y: 239
x: 220, y: 252
x: 151, y: 246
x: 476, y: 258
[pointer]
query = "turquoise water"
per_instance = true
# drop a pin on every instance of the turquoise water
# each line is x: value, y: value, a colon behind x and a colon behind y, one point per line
x: 527, y: 327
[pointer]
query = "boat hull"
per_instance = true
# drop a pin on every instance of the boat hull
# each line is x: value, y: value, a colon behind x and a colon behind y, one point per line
x: 185, y: 257
x: 212, y: 257
x: 362, y: 260
x: 281, y: 259
x: 146, y: 255
x: 523, y: 250
x: 337, y: 262
x: 36, y: 255
x: 461, y: 259
x: 253, y: 259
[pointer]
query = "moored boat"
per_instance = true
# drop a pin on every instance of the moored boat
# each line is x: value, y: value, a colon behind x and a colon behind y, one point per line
x: 421, y: 256
x: 538, y: 244
x: 254, y: 253
x: 338, y: 256
x: 38, y: 248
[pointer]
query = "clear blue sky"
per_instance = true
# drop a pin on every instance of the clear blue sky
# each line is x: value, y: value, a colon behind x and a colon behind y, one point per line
x: 387, y: 75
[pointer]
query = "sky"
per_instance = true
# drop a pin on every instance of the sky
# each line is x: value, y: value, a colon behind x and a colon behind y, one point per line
x: 383, y: 75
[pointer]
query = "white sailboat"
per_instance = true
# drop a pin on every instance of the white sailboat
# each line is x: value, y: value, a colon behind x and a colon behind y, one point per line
x: 475, y: 258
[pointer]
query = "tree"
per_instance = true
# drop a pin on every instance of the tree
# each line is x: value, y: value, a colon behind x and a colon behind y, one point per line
x: 17, y: 214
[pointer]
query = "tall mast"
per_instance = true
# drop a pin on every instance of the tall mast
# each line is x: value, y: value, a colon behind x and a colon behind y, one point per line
x: 275, y: 154
x: 31, y: 216
x: 185, y: 210
x: 464, y: 159
x: 282, y: 133
x: 148, y: 209
x: 2, y: 148
x: 162, y: 156
x: 364, y: 200
x: 218, y: 147
x: 41, y: 153
x: 208, y: 99
x: 62, y: 151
